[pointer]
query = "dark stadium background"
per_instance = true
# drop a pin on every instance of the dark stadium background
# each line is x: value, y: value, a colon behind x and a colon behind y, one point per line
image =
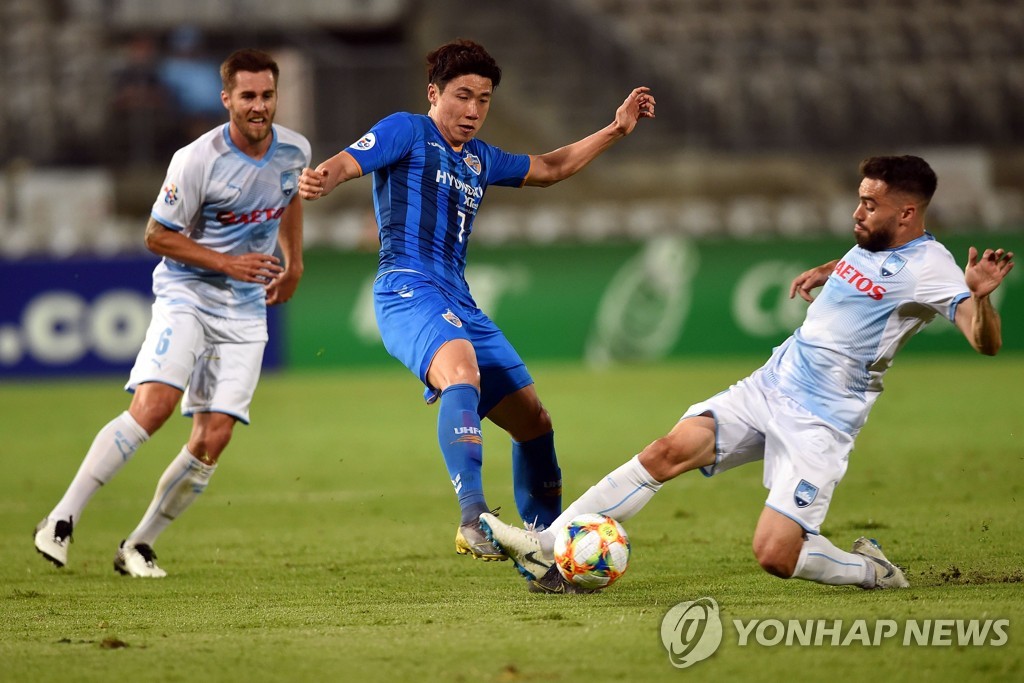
x: 764, y: 110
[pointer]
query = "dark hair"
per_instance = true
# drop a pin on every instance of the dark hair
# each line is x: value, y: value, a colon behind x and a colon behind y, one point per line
x: 909, y: 174
x: 458, y: 58
x: 246, y: 59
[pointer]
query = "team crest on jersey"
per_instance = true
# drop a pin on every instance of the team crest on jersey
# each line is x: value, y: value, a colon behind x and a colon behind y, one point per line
x: 452, y: 318
x: 805, y: 493
x: 170, y: 194
x: 366, y: 142
x: 893, y: 265
x: 473, y: 161
x: 289, y: 182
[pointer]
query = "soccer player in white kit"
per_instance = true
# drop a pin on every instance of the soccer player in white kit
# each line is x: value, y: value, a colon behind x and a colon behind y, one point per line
x: 801, y: 411
x: 229, y: 200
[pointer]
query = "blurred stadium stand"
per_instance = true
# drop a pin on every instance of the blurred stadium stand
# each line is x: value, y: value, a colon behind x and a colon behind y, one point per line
x: 764, y: 108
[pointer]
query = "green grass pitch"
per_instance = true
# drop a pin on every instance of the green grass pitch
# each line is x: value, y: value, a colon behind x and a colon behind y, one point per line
x: 323, y: 549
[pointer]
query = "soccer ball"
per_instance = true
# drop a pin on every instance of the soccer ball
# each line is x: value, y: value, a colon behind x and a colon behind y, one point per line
x: 592, y: 551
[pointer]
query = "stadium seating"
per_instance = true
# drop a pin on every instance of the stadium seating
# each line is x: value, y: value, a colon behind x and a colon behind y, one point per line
x: 761, y: 104
x: 778, y: 74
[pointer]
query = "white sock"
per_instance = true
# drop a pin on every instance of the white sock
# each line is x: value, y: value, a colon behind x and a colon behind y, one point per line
x: 619, y: 495
x: 113, y: 446
x: 181, y: 483
x: 822, y: 562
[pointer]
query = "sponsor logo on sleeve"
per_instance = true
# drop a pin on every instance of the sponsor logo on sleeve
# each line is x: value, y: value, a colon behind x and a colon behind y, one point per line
x: 366, y: 142
x: 170, y: 194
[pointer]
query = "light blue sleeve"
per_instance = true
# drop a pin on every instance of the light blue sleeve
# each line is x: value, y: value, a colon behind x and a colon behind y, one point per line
x: 182, y: 193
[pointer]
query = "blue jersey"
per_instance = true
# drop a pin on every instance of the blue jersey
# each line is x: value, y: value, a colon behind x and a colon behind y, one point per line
x: 426, y: 195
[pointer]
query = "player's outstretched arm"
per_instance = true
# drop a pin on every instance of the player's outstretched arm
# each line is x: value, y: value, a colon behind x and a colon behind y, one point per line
x: 252, y: 267
x: 317, y: 183
x: 289, y: 238
x: 976, y: 317
x: 548, y: 169
x: 811, y: 279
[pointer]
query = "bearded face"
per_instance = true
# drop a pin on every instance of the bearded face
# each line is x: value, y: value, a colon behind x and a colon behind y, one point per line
x: 877, y: 216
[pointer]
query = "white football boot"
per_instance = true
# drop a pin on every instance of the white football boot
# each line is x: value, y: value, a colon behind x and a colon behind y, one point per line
x: 887, y: 575
x: 52, y: 537
x: 138, y: 561
x: 522, y: 546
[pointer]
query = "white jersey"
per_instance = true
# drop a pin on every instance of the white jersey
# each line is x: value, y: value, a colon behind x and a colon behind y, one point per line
x: 228, y: 202
x: 871, y: 305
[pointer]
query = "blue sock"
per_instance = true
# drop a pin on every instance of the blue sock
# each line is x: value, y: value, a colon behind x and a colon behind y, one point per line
x: 462, y: 445
x: 537, y: 480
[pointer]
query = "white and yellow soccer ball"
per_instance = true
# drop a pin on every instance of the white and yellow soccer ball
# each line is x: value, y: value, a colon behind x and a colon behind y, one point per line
x: 592, y: 551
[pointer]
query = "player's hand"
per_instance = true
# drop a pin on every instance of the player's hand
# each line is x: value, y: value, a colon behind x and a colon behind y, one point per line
x: 313, y: 183
x: 810, y: 279
x: 984, y: 274
x: 262, y: 268
x: 282, y: 288
x: 639, y: 104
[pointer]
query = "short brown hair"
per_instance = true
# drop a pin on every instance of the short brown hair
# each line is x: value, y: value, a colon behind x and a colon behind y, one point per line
x: 458, y: 58
x: 246, y: 59
x: 908, y: 174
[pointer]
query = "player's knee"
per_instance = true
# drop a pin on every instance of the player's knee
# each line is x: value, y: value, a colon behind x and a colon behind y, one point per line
x: 543, y: 421
x: 778, y: 559
x: 531, y: 423
x: 665, y: 459
x: 151, y: 409
x: 208, y: 442
x: 454, y: 363
x: 467, y: 373
x: 690, y: 445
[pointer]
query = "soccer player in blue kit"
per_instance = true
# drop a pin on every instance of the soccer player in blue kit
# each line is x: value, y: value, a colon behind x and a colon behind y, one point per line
x: 800, y: 413
x: 430, y: 173
x: 228, y: 202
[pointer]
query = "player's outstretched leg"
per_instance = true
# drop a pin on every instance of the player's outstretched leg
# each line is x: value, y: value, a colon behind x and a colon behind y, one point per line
x: 137, y: 560
x: 52, y: 537
x: 886, y: 574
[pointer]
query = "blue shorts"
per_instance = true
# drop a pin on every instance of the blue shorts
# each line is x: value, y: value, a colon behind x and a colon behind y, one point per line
x: 416, y: 318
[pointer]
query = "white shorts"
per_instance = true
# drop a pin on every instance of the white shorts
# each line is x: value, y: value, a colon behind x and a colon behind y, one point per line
x: 804, y: 456
x: 215, y: 361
